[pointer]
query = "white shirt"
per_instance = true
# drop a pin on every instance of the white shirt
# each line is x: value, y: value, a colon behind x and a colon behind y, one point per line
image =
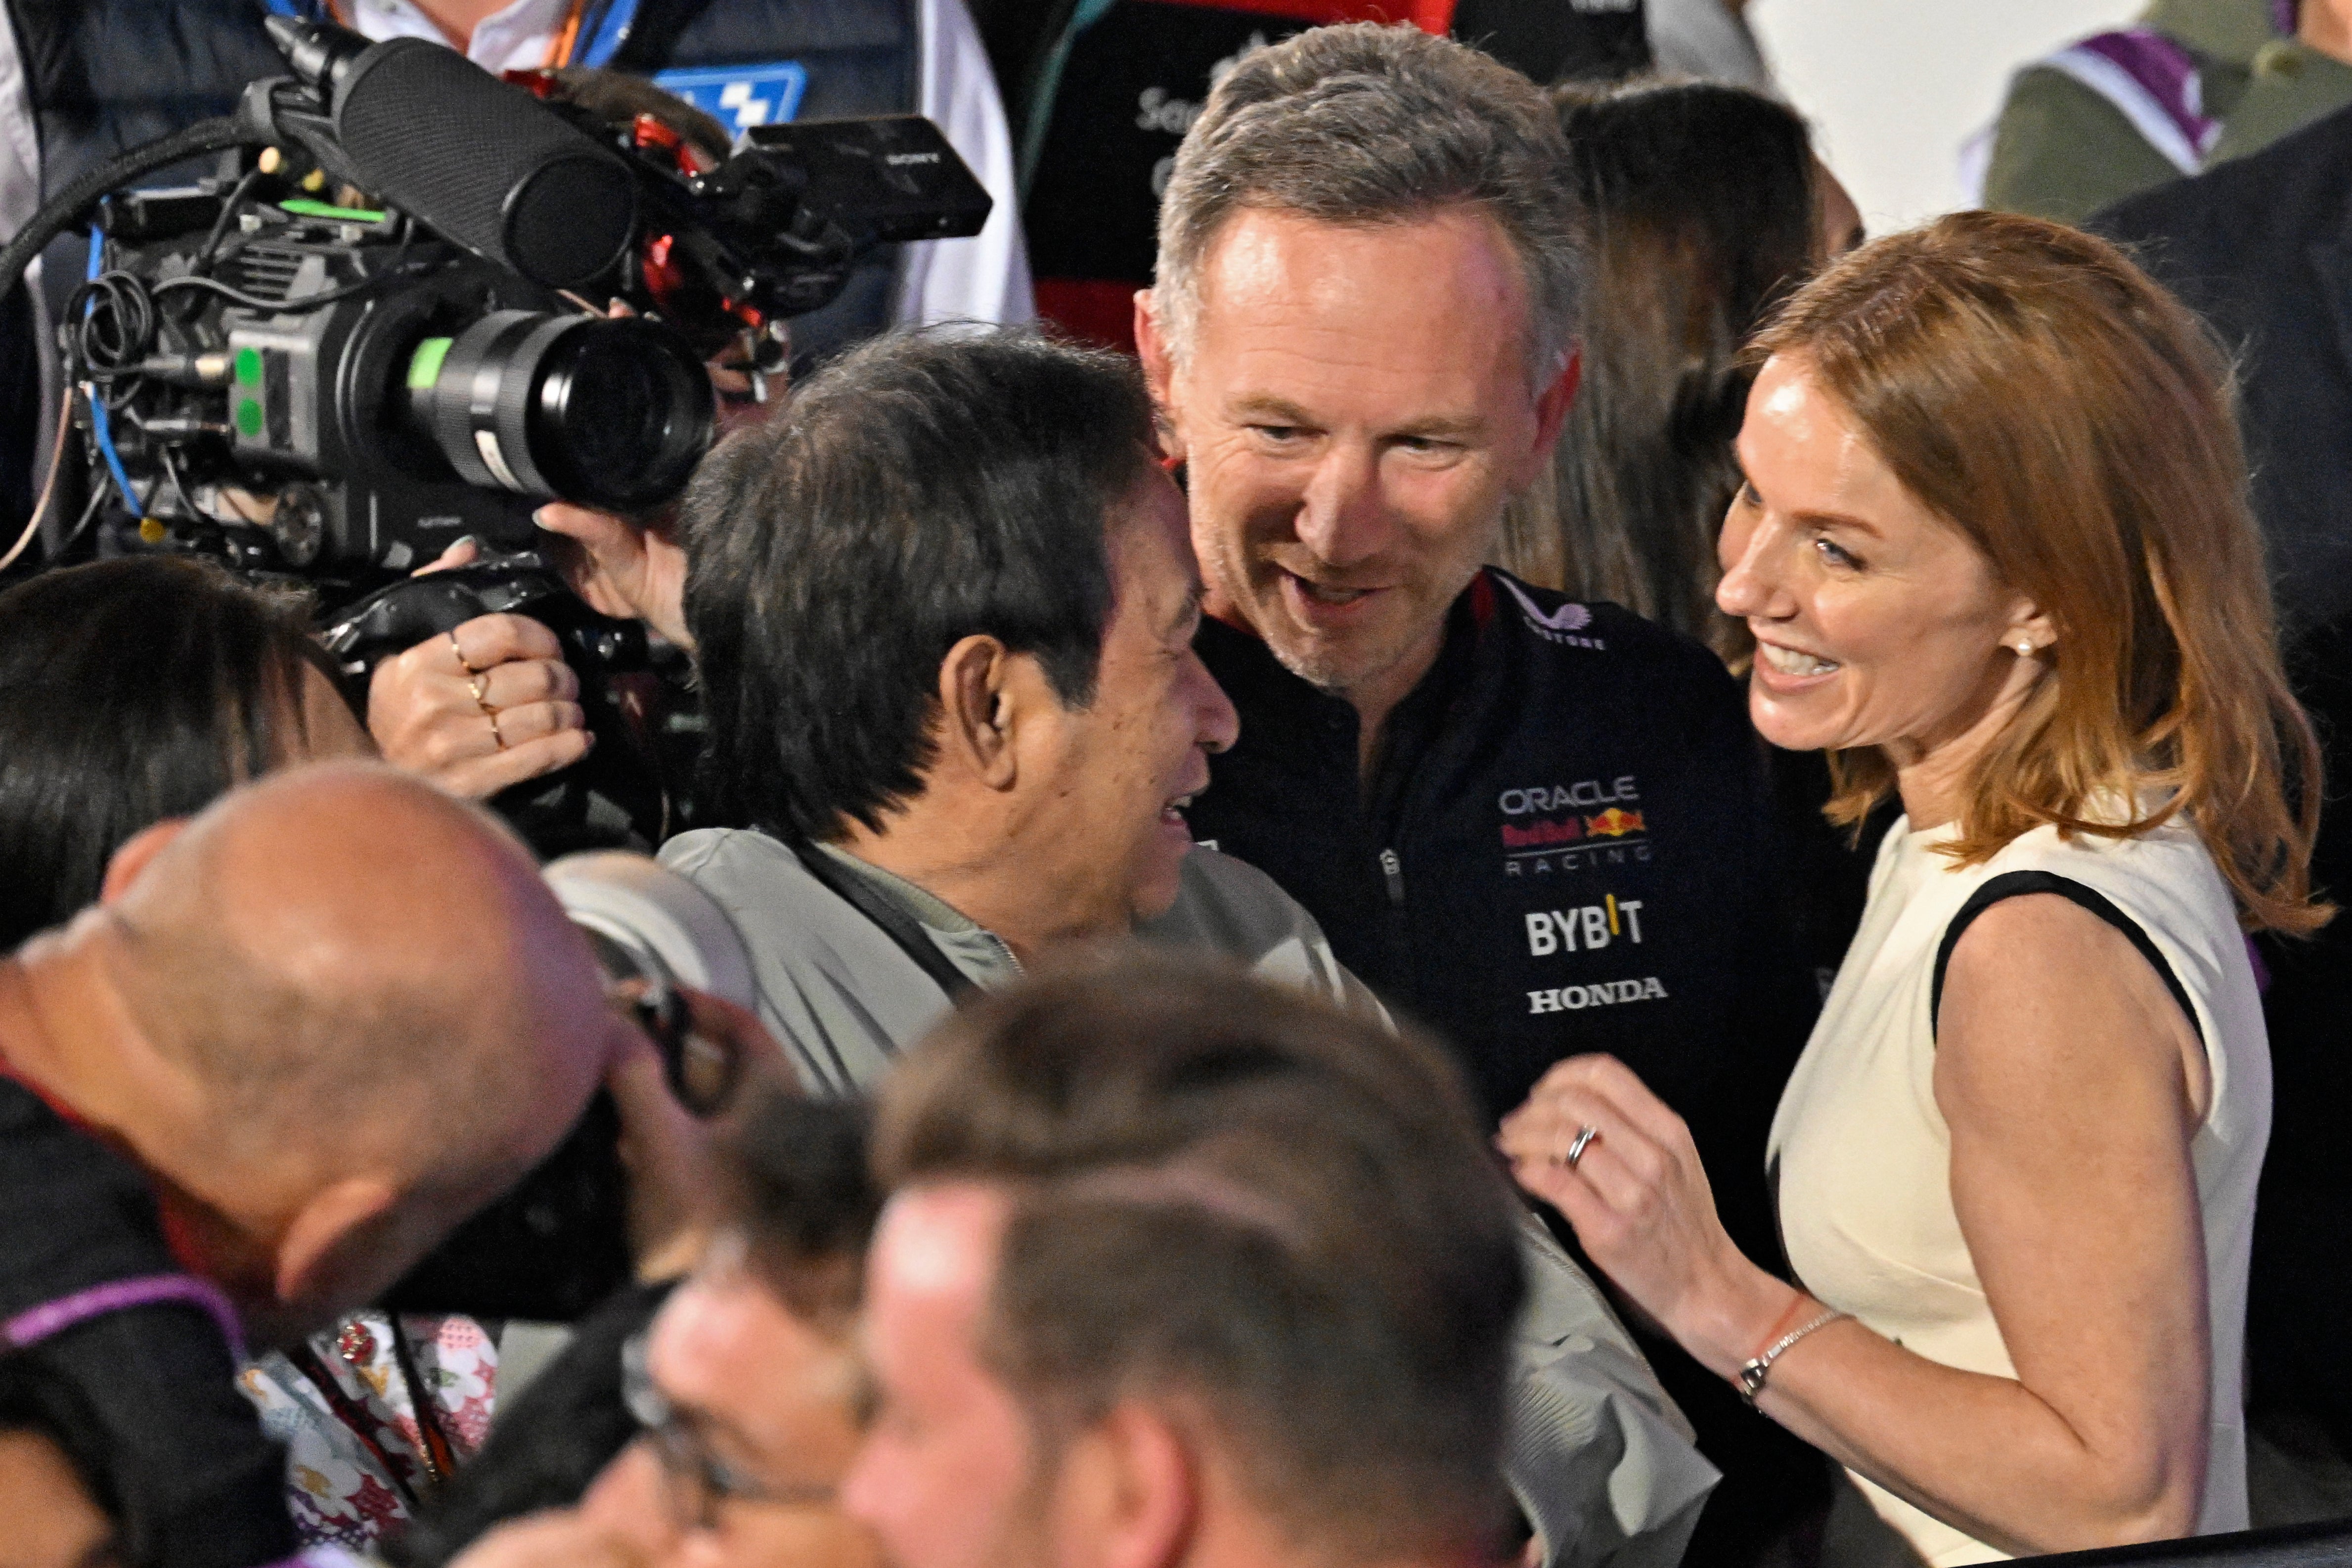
x: 983, y: 279
x: 1864, y: 1155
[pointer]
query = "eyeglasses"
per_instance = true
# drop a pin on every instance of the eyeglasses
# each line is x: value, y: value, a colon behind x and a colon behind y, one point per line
x: 697, y: 1480
x: 703, y: 1072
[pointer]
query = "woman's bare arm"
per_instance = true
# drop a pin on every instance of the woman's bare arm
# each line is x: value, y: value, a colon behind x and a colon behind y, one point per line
x: 2071, y: 1085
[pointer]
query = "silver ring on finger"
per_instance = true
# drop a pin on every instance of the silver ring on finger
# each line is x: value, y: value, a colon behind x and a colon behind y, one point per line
x: 1585, y: 1136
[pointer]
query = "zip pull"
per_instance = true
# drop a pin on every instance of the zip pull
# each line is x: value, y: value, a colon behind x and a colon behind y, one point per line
x: 1393, y: 869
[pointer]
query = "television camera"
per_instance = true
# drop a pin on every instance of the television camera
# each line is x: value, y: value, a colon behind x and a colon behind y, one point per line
x: 338, y: 387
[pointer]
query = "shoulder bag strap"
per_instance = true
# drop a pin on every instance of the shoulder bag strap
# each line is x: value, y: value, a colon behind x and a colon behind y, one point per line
x: 896, y: 922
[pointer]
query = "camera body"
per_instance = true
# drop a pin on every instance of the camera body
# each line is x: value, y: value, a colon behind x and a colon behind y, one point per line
x: 353, y: 397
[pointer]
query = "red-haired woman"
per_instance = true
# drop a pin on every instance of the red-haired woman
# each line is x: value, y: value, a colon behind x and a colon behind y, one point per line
x: 1994, y: 549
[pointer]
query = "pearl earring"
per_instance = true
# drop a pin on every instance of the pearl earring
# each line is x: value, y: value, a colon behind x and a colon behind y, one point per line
x: 2025, y: 647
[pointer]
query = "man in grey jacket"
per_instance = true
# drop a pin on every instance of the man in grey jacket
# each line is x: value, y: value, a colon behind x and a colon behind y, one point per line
x: 943, y: 610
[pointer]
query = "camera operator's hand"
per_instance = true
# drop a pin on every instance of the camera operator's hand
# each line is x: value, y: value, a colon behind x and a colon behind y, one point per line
x: 625, y: 569
x: 633, y: 571
x: 482, y: 708
x: 669, y: 1155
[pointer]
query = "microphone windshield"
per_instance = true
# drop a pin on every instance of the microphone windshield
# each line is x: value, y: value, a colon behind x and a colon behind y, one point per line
x: 485, y: 163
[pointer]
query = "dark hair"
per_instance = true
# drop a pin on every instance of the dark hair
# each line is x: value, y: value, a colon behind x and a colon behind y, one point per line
x: 131, y: 691
x: 806, y: 1199
x: 1279, y: 1213
x: 924, y: 488
x: 618, y: 98
x: 1699, y: 202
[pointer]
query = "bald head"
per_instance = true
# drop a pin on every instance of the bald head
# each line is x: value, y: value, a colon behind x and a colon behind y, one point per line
x: 360, y: 975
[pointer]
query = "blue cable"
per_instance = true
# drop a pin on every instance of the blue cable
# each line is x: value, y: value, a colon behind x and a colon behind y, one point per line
x: 98, y: 422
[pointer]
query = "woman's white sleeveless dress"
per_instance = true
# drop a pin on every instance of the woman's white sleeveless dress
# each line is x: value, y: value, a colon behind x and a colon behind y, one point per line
x: 1862, y: 1156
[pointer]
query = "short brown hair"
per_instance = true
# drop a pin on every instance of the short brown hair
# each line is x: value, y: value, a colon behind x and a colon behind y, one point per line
x: 2073, y: 421
x: 1281, y: 1216
x: 1362, y: 125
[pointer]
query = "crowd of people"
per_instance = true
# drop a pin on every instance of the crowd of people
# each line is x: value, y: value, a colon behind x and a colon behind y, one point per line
x: 1530, y: 858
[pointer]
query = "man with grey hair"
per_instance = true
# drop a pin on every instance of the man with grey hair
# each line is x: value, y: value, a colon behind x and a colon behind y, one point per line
x: 1540, y: 826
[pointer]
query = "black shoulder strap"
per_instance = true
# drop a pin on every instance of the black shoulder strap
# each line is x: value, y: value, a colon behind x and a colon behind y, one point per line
x: 2017, y: 884
x: 897, y: 923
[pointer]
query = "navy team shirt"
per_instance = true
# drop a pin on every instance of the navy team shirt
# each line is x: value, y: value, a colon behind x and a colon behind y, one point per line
x: 1566, y: 847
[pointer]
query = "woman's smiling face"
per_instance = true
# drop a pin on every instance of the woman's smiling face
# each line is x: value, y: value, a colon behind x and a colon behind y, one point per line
x: 1876, y: 622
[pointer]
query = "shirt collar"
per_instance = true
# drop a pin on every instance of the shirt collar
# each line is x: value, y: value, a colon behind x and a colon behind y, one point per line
x: 935, y: 912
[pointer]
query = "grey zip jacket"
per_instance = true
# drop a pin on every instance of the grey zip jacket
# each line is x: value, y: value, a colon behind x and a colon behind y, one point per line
x: 1600, y: 1459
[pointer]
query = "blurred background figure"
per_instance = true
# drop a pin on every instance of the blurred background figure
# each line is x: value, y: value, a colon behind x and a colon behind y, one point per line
x: 1705, y: 205
x: 1101, y: 92
x: 2263, y: 248
x: 2193, y: 84
x: 1709, y: 39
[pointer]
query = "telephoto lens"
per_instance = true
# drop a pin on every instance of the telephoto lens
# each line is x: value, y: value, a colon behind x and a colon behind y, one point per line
x: 609, y: 414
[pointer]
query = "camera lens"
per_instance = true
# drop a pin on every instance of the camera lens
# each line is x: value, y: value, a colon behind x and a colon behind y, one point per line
x: 607, y: 413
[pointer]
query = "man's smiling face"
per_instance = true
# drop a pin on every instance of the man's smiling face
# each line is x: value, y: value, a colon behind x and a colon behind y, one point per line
x: 1354, y: 406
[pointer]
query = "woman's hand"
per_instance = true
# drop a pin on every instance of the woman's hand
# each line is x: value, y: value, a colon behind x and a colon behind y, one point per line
x: 1639, y: 1199
x: 477, y: 710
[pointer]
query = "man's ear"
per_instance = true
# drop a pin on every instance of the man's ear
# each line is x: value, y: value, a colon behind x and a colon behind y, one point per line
x: 137, y: 851
x: 977, y: 709
x: 334, y: 1250
x: 1552, y: 405
x: 1159, y: 372
x: 1128, y: 1493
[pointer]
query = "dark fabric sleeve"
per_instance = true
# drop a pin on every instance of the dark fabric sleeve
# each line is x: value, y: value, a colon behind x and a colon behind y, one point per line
x: 199, y: 1484
x: 2018, y: 884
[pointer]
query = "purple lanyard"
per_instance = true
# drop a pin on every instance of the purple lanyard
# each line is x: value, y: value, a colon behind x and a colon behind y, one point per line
x: 49, y: 1318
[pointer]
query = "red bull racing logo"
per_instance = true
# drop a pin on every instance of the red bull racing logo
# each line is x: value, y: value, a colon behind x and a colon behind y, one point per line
x: 1611, y: 828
